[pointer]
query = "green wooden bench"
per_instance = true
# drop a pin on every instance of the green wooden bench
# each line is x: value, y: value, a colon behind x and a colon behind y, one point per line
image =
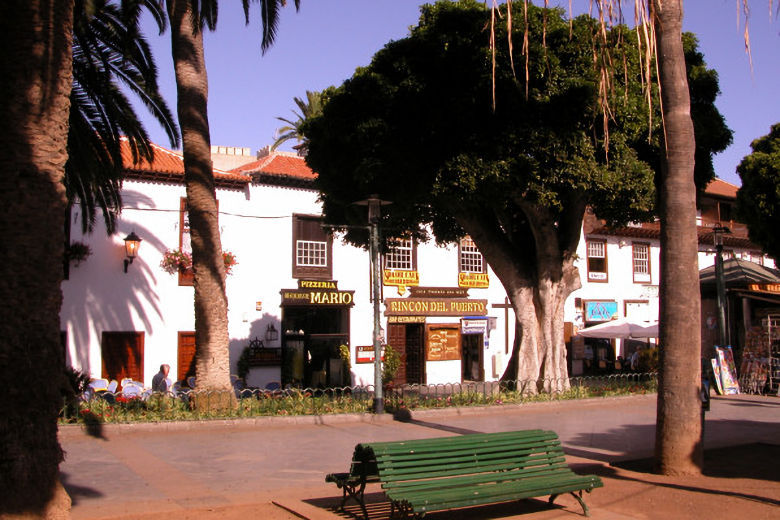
x: 426, y: 475
x: 353, y: 484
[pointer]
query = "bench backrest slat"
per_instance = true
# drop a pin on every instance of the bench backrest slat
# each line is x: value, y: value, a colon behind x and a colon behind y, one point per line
x: 462, y: 440
x: 457, y: 478
x: 476, y: 453
x: 495, y: 463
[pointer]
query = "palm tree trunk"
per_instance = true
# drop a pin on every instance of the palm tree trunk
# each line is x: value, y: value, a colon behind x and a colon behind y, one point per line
x: 35, y: 66
x: 678, y: 448
x: 211, y: 330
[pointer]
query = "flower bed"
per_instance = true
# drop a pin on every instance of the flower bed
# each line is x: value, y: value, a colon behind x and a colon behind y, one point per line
x: 109, y: 408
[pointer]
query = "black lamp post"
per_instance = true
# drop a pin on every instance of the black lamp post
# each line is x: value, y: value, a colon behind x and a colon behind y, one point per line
x: 375, y: 204
x: 720, y: 283
x: 132, y: 243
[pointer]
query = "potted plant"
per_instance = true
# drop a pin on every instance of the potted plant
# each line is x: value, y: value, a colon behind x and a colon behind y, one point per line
x: 77, y: 252
x: 176, y: 260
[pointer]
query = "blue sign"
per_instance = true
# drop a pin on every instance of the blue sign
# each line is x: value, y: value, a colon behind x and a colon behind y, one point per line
x: 600, y: 311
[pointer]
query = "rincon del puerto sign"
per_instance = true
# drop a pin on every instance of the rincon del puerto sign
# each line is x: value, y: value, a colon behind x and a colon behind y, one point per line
x: 435, y: 307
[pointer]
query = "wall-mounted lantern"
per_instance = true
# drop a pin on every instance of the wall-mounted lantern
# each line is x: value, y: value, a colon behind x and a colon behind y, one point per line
x: 132, y: 243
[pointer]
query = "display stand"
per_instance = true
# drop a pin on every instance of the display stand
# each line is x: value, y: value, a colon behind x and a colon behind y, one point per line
x: 760, y: 369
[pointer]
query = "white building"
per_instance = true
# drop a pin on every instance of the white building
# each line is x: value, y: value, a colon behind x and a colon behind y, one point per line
x: 303, y: 293
x: 620, y: 273
x: 296, y: 289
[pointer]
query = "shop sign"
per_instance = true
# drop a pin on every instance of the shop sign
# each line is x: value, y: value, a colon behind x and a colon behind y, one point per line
x: 471, y: 326
x: 600, y: 310
x: 650, y: 291
x: 438, y: 292
x: 318, y: 284
x: 473, y: 280
x: 400, y: 279
x: 434, y: 307
x: 765, y: 287
x: 317, y: 297
x: 406, y: 319
x: 443, y: 344
x: 365, y: 353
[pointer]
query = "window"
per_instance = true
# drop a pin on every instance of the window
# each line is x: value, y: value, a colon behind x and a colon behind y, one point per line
x: 401, y: 255
x: 597, y: 260
x: 312, y: 248
x: 471, y: 260
x: 641, y: 262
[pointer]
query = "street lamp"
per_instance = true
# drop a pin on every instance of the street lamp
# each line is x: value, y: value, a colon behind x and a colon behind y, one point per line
x: 375, y: 204
x: 720, y: 283
x: 132, y: 243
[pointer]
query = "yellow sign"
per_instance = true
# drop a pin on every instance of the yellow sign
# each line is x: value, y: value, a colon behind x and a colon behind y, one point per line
x: 406, y: 319
x: 401, y: 279
x: 473, y: 280
x: 765, y: 287
x: 317, y: 284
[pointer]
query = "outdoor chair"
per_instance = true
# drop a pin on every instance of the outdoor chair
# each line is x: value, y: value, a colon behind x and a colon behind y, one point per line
x: 132, y: 389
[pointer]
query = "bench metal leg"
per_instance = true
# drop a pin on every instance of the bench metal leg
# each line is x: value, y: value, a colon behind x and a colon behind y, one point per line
x: 585, y: 509
x: 403, y: 509
x: 355, y: 492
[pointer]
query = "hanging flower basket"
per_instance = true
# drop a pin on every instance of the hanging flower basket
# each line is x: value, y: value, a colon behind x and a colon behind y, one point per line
x: 77, y: 252
x: 176, y: 261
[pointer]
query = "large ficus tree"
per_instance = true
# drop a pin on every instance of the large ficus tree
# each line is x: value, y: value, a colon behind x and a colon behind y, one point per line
x: 418, y: 127
x: 758, y: 200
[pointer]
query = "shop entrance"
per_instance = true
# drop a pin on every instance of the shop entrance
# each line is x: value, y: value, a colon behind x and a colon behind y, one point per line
x: 408, y: 341
x: 472, y: 357
x: 310, y: 348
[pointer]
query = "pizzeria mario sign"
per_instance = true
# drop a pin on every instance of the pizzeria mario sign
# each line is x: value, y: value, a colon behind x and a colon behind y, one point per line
x: 319, y: 293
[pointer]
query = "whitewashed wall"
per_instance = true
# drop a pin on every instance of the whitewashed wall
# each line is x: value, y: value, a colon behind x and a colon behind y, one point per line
x: 256, y: 225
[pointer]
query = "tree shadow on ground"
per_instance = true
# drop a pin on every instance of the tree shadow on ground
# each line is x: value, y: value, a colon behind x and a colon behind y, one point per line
x: 757, y: 461
x: 77, y: 492
x: 378, y: 508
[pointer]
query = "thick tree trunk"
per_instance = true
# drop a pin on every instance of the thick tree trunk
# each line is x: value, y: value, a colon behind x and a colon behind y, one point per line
x: 211, y: 325
x: 525, y: 362
x: 551, y: 298
x: 678, y: 448
x: 538, y: 276
x: 35, y: 67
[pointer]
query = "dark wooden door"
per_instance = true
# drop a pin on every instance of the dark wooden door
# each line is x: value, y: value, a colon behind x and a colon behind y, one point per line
x: 185, y: 365
x: 397, y: 341
x: 415, y: 354
x: 123, y: 355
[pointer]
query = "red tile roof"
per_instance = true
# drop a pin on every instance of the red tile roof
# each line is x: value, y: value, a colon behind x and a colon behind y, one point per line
x: 168, y: 166
x: 721, y: 188
x: 282, y: 164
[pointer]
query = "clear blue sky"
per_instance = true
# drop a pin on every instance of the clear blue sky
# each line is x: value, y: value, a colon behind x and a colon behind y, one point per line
x: 325, y: 41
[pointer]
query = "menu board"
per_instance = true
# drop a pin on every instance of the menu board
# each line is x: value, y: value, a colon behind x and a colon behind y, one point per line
x: 443, y: 343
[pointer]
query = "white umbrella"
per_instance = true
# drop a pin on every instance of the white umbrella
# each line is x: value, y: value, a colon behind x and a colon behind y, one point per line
x: 622, y: 328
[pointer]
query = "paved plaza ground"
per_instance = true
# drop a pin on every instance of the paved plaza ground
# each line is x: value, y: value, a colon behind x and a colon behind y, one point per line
x: 274, y: 468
